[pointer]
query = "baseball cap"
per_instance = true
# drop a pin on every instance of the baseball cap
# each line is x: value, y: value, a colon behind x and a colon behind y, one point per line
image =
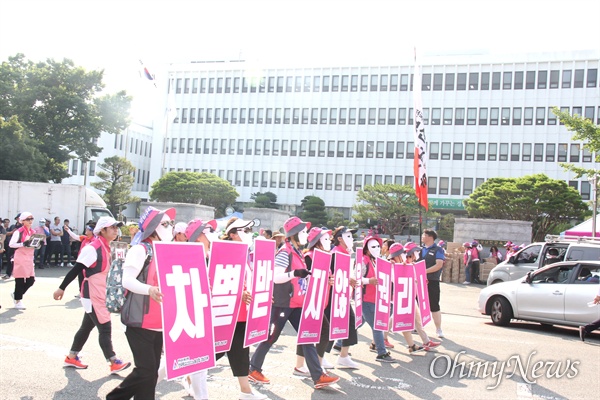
x: 105, y: 222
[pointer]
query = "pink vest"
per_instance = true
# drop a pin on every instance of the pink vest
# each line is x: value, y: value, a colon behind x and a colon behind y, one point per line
x: 94, y: 283
x: 23, y: 258
x: 153, y: 318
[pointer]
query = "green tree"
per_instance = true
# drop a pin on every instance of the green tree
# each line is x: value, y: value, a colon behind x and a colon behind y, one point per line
x: 313, y: 210
x: 390, y: 205
x: 545, y: 202
x: 61, y: 108
x: 264, y: 200
x: 337, y: 219
x: 116, y: 182
x: 195, y: 188
x: 21, y: 160
x: 446, y: 229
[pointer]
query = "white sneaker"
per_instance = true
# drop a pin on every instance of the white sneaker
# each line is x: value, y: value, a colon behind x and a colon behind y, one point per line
x: 19, y: 305
x: 62, y: 264
x: 253, y: 396
x: 69, y: 265
x: 326, y: 364
x: 466, y: 283
x: 302, y: 371
x: 439, y: 333
x: 346, y: 362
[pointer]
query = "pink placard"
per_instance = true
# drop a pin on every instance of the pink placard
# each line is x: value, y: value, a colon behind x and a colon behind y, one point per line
x: 422, y: 293
x: 404, y: 298
x: 186, y: 308
x: 309, y: 330
x: 339, y: 319
x: 383, y: 295
x: 259, y: 311
x: 226, y: 271
x: 358, y: 290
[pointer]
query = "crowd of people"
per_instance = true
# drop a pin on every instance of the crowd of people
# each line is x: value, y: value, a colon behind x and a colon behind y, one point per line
x: 293, y: 261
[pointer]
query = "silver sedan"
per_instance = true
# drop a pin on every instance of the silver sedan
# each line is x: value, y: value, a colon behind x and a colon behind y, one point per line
x: 557, y: 294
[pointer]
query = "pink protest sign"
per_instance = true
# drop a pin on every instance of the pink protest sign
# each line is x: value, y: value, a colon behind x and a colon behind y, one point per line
x: 382, y: 296
x: 309, y: 330
x: 226, y: 273
x: 404, y: 298
x: 186, y: 308
x: 358, y: 290
x: 340, y: 300
x: 259, y: 312
x: 422, y: 293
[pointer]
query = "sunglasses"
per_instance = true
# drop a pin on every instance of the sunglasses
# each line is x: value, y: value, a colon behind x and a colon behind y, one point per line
x: 29, y: 219
x: 166, y: 224
x: 210, y: 229
x: 247, y: 230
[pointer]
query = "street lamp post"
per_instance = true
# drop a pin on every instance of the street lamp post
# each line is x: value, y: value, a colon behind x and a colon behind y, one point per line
x: 593, y: 181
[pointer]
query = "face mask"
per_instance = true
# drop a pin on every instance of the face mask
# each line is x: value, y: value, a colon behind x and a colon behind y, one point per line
x: 303, y: 236
x: 211, y: 236
x: 374, y: 248
x: 347, y: 238
x: 325, y: 242
x: 245, y: 237
x: 416, y: 256
x: 165, y: 233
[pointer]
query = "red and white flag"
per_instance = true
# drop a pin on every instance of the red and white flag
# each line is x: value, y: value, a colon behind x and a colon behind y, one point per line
x: 420, y: 163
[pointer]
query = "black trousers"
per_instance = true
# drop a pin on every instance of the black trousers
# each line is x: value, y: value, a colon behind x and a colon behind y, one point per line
x: 90, y: 320
x: 146, y: 346
x: 21, y: 286
x: 238, y: 355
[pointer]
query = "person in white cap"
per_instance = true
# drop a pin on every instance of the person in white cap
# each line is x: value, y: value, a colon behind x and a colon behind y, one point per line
x: 23, y: 270
x: 144, y: 327
x: 94, y: 260
x: 179, y: 232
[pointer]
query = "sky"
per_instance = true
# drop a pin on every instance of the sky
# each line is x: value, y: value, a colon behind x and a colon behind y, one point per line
x: 113, y: 35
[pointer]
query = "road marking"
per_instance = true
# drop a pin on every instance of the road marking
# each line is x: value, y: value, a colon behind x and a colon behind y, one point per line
x: 31, y: 345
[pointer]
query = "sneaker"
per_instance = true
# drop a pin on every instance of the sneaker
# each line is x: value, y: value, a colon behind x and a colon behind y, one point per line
x: 582, y: 333
x: 385, y: 358
x: 5, y: 277
x: 430, y: 345
x: 325, y: 380
x: 303, y: 371
x: 326, y: 364
x: 257, y: 377
x: 117, y: 366
x: 388, y: 344
x: 252, y: 396
x: 346, y: 362
x: 62, y: 264
x: 439, y: 333
x: 74, y: 362
x: 466, y: 283
x: 372, y: 348
x: 19, y: 305
x: 415, y: 349
x: 69, y: 265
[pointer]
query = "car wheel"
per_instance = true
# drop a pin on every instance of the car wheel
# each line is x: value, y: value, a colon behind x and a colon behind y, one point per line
x: 501, y: 311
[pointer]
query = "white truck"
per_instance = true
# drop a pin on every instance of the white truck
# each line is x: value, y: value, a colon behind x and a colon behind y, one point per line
x: 76, y: 203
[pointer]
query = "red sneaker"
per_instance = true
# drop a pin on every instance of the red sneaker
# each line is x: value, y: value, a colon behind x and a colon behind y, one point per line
x: 388, y: 344
x: 74, y: 363
x: 257, y: 377
x: 325, y: 380
x: 430, y: 345
x: 117, y: 366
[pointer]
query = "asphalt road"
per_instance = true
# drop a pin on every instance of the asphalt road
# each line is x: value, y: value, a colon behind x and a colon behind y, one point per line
x: 34, y: 342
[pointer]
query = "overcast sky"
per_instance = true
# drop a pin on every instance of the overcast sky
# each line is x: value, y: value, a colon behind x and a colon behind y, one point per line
x: 114, y: 34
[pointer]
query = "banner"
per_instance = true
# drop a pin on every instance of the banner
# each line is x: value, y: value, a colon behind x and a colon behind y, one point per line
x: 358, y: 290
x: 309, y: 330
x: 228, y: 262
x: 339, y: 319
x: 422, y: 293
x: 186, y: 308
x: 259, y: 312
x: 421, y: 158
x: 404, y: 298
x: 382, y: 296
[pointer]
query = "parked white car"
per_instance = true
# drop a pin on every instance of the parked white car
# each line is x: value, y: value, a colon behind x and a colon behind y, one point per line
x: 556, y: 294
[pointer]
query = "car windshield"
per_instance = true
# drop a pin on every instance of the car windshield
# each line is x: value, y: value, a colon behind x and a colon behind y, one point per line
x: 558, y: 274
x: 529, y: 255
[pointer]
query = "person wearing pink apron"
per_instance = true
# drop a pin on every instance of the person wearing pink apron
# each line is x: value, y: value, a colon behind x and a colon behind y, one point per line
x: 94, y: 260
x: 23, y: 270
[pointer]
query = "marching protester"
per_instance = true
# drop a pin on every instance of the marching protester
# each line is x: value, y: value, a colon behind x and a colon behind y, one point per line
x: 23, y: 263
x: 371, y: 250
x: 407, y: 255
x: 238, y: 230
x: 434, y: 262
x: 94, y: 260
x: 289, y: 290
x: 144, y: 323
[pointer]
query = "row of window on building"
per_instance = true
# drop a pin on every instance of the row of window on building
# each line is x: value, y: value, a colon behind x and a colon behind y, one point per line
x: 350, y: 182
x: 538, y: 152
x: 381, y: 116
x: 141, y: 177
x: 506, y: 80
x: 136, y: 146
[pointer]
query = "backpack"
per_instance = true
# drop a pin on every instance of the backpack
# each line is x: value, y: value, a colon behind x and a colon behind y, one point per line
x: 115, y: 292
